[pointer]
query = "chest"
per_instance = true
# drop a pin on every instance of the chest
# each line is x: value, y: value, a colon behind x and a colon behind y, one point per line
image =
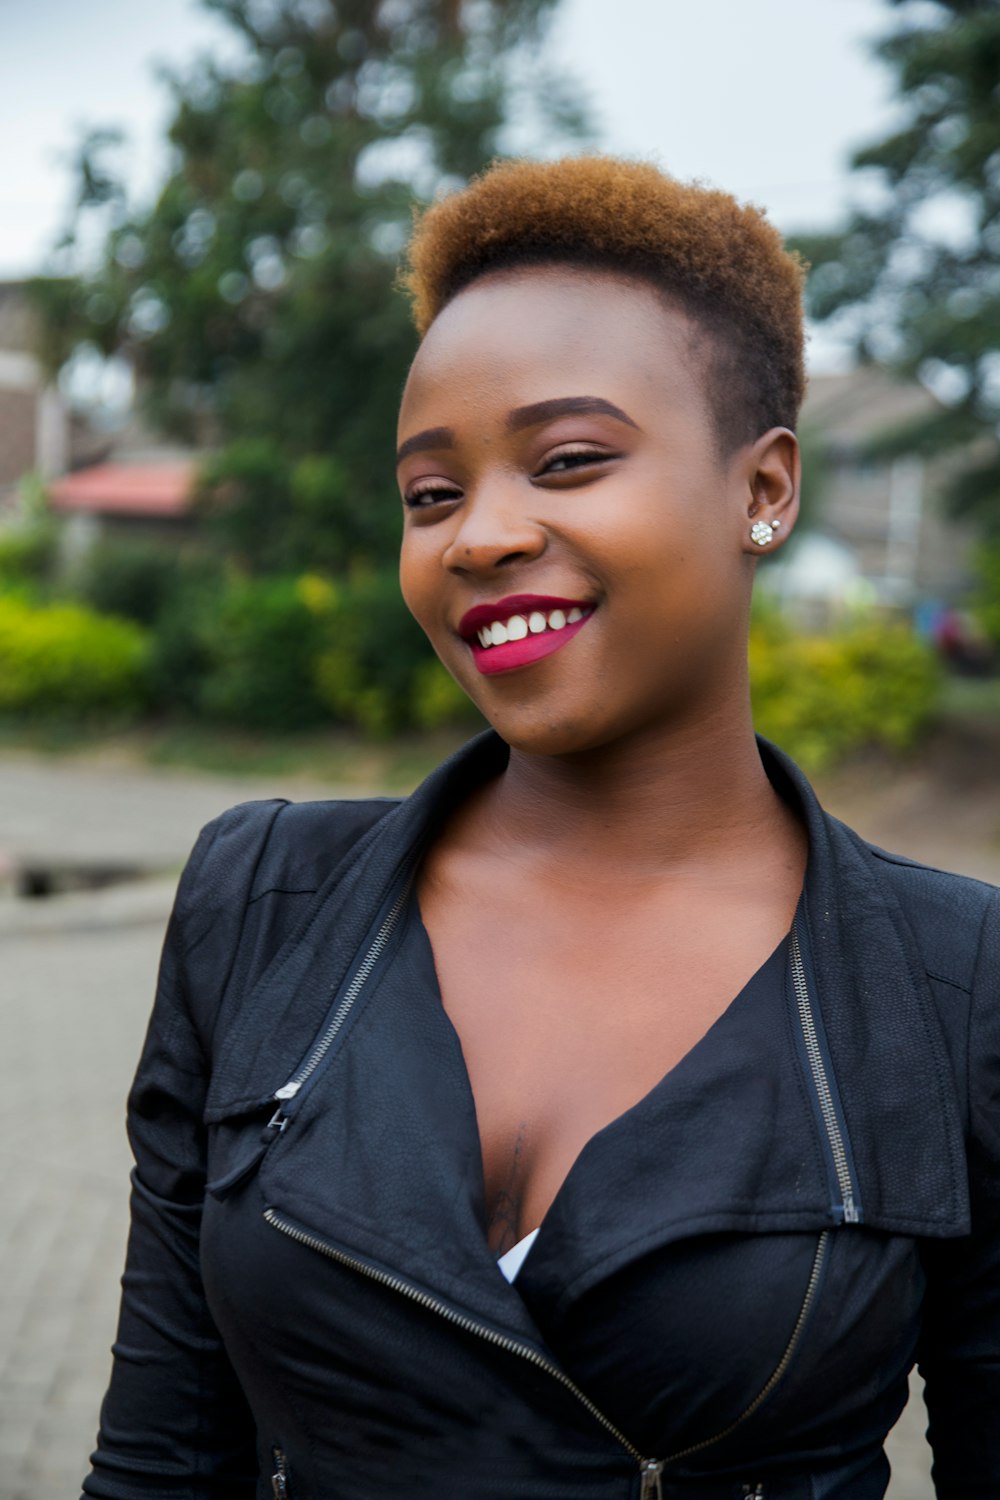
x: 569, y: 1011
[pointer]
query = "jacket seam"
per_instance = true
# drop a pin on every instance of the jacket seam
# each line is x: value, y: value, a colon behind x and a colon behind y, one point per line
x: 901, y: 862
x: 282, y: 890
x: 204, y: 1026
x: 952, y: 983
x: 974, y: 1009
x: 238, y: 944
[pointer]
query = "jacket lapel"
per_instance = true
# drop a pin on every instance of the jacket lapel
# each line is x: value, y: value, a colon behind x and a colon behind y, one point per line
x: 886, y: 1042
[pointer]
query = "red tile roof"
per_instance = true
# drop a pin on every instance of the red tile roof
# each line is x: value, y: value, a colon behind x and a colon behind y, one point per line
x: 154, y: 490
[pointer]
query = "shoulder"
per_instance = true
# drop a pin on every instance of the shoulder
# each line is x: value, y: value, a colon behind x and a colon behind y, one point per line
x: 308, y: 840
x: 268, y: 847
x: 954, y: 919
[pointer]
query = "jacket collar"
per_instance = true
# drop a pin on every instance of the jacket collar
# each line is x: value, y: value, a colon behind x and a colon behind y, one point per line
x: 885, y: 1044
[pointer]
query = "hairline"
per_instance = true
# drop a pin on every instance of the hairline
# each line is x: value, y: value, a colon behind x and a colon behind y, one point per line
x: 706, y: 344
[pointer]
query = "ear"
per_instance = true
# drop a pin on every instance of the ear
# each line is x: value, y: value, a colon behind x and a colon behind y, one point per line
x: 773, y: 473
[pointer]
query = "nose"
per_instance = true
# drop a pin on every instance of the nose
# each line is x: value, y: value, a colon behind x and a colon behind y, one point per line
x: 495, y: 531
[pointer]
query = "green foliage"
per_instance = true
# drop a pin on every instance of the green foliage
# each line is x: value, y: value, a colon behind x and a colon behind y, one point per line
x: 926, y: 305
x: 26, y: 554
x: 986, y: 603
x: 255, y: 297
x: 369, y: 669
x: 260, y: 639
x: 133, y: 578
x: 65, y: 660
x: 438, y: 701
x: 822, y: 697
x: 28, y: 543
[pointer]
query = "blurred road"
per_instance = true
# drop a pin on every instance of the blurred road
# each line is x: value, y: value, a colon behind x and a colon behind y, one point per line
x: 77, y: 977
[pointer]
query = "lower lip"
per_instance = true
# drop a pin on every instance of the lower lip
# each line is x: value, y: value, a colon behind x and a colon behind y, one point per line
x: 492, y: 659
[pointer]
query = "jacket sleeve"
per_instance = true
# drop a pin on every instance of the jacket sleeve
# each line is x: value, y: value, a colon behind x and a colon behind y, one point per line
x: 174, y: 1422
x: 960, y: 1354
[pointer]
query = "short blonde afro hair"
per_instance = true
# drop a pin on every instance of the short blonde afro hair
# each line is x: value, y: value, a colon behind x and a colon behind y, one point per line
x: 718, y: 261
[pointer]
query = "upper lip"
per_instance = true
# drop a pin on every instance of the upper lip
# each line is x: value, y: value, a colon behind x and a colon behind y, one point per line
x: 513, y: 604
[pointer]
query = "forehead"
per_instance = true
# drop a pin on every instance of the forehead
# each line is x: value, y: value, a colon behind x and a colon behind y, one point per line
x: 524, y: 335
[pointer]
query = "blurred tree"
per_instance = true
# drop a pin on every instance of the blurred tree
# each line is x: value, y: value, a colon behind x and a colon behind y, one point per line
x: 254, y: 299
x: 915, y: 275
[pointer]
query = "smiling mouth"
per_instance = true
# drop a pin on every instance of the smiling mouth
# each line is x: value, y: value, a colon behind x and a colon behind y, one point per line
x: 518, y: 631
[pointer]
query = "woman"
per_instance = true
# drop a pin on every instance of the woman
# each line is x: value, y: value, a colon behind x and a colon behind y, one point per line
x: 610, y: 974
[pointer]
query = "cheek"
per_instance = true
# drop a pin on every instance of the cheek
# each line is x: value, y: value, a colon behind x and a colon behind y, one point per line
x: 423, y: 585
x: 415, y: 575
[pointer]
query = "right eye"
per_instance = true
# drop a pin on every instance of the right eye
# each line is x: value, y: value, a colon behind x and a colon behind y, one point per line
x: 425, y: 493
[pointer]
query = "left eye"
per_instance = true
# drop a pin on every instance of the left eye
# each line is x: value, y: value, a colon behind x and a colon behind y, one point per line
x: 564, y: 463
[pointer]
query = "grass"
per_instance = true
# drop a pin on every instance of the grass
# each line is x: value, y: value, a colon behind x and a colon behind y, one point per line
x: 333, y: 757
x: 970, y: 698
x: 338, y: 757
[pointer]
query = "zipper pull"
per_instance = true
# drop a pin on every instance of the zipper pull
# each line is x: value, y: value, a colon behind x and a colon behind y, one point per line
x: 279, y: 1479
x: 652, y: 1485
x: 282, y: 1115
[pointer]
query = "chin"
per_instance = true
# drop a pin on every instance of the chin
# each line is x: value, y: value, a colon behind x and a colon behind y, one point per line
x: 534, y: 733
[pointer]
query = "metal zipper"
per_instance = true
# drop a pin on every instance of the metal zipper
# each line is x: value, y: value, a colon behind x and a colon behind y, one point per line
x: 322, y: 1046
x: 812, y: 1288
x: 651, y: 1469
x: 279, y: 1479
x: 651, y: 1487
x: 822, y: 1083
x: 648, y: 1466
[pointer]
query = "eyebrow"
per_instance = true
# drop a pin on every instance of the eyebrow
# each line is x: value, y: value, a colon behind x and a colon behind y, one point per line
x: 420, y: 442
x: 561, y: 406
x: 520, y: 417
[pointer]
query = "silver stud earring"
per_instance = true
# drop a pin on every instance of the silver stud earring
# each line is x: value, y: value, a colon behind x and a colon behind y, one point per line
x: 762, y: 532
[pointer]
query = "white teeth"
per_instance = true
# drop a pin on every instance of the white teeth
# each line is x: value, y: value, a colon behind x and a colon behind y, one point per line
x: 517, y: 627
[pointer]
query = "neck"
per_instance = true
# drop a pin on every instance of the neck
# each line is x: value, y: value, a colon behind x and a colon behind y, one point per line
x: 656, y: 801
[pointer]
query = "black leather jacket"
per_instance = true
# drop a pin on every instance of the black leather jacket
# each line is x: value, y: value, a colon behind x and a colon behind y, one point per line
x: 310, y: 1307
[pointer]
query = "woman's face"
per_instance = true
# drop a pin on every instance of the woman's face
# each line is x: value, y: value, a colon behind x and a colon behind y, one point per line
x: 562, y: 480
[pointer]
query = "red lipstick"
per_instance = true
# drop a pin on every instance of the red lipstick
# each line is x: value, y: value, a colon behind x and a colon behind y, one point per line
x: 542, y: 627
x: 514, y: 604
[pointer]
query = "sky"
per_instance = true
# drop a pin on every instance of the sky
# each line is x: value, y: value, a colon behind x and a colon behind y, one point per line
x: 765, y: 98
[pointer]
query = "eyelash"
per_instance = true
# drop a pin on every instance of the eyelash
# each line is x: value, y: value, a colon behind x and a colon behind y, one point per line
x: 431, y: 494
x: 572, y: 458
x: 584, y: 455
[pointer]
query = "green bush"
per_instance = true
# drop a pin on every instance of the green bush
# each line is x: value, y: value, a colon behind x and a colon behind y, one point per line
x: 821, y: 697
x: 367, y: 672
x: 26, y: 554
x: 438, y: 701
x: 180, y: 655
x: 986, y: 604
x: 136, y: 579
x: 65, y: 659
x: 260, y: 639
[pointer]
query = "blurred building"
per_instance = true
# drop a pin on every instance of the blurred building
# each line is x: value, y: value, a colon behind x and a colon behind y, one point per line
x: 35, y: 427
x: 879, y: 532
x: 102, y: 479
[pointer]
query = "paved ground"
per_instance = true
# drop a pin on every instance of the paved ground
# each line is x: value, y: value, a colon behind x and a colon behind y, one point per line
x: 76, y: 979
